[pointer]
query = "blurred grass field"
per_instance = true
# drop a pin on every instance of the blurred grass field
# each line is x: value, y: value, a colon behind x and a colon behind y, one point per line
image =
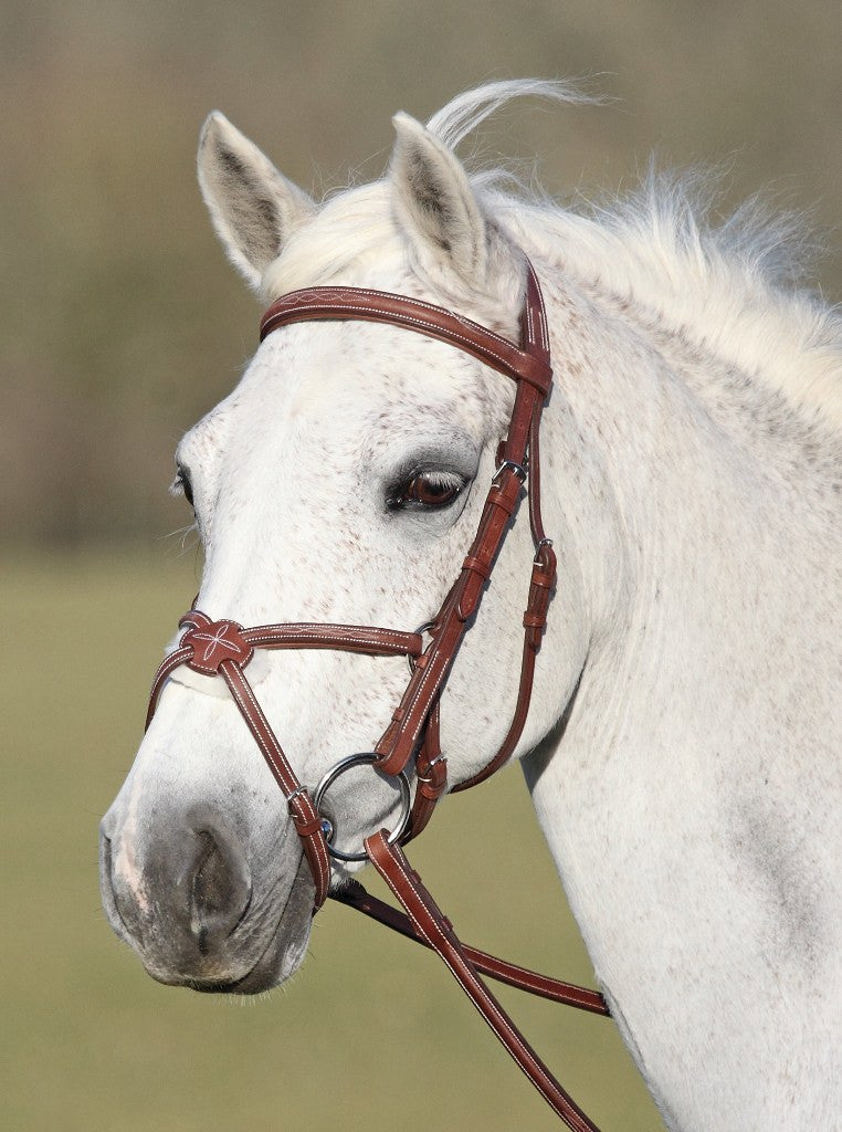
x: 372, y: 1033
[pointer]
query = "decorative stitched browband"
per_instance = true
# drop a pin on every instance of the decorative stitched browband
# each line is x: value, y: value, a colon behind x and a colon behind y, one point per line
x: 225, y: 648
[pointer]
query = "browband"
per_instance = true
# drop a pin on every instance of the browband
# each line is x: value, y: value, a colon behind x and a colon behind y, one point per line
x: 361, y: 304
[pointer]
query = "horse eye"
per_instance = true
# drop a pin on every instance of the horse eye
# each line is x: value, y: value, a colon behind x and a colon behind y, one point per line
x: 183, y: 484
x: 427, y: 490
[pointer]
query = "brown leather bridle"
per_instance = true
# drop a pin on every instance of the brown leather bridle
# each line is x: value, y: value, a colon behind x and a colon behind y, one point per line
x: 224, y: 648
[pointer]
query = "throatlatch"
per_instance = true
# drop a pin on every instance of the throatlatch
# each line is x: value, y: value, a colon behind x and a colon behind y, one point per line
x: 411, y: 739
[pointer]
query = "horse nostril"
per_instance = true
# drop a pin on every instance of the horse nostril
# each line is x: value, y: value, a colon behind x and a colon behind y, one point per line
x: 219, y: 888
x: 106, y: 879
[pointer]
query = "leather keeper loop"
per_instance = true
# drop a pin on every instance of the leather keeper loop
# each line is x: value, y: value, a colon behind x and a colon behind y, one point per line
x: 505, y: 491
x: 428, y: 790
x: 541, y: 578
x: 534, y: 620
x: 541, y: 588
x: 477, y: 566
x: 305, y: 816
x: 306, y: 827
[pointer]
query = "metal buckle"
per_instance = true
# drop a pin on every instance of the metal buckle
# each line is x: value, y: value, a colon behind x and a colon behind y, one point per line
x: 433, y: 762
x: 518, y: 469
x: 328, y: 780
x: 548, y: 542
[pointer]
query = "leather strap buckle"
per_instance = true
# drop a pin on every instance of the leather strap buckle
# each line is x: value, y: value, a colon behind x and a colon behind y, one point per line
x: 520, y: 470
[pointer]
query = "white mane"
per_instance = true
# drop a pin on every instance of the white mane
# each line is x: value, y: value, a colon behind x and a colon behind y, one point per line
x: 732, y: 289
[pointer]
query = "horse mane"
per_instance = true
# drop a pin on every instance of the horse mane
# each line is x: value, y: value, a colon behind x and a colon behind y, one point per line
x: 734, y: 288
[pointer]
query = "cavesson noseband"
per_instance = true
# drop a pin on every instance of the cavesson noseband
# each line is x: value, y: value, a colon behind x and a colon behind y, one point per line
x: 224, y: 648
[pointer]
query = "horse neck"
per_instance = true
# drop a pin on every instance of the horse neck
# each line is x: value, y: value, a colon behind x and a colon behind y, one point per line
x: 691, y: 748
x: 712, y: 501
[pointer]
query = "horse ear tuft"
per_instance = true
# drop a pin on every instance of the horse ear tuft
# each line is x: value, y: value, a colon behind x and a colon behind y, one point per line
x: 435, y: 204
x: 254, y: 208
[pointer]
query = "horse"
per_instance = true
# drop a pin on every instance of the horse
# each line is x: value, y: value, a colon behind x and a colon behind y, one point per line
x: 681, y: 746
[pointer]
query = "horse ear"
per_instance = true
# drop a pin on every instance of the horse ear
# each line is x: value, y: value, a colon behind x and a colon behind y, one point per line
x: 253, y: 207
x: 435, y: 204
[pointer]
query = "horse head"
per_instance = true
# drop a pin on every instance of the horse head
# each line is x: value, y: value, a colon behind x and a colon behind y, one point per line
x: 341, y: 482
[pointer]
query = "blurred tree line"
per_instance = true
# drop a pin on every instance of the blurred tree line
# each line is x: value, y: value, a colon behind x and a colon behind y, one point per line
x: 121, y: 322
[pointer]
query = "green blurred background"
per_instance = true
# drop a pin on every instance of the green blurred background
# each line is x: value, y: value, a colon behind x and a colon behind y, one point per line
x: 121, y: 324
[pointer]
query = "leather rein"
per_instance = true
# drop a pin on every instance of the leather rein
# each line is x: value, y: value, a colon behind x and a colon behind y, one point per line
x: 224, y: 648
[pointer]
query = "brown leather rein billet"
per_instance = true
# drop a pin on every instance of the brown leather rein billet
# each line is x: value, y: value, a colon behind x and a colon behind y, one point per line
x: 224, y: 648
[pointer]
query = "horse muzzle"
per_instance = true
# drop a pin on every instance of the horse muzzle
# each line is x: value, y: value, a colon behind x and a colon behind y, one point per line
x: 185, y: 897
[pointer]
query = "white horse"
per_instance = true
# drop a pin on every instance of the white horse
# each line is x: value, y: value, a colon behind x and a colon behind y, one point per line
x: 682, y: 747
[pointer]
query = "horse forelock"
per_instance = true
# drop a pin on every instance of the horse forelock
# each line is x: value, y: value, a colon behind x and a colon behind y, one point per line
x: 353, y: 234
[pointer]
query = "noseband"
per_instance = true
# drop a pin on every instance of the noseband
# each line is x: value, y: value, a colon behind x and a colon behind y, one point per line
x: 409, y: 747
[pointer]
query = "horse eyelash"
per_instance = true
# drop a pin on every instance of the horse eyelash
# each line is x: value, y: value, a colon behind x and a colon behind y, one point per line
x: 181, y: 485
